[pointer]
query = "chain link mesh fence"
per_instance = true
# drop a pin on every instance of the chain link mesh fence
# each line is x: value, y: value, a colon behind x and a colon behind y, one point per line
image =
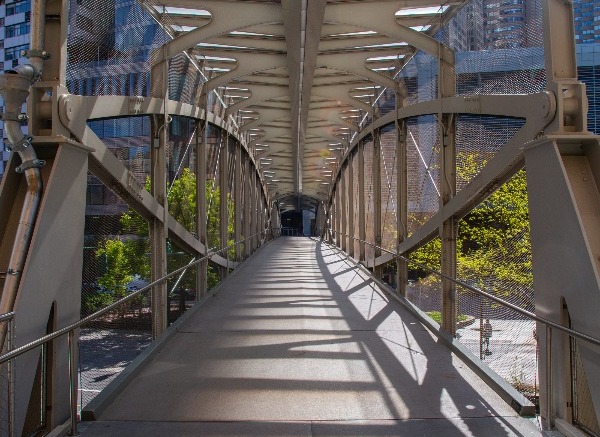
x: 115, y: 263
x: 7, y: 375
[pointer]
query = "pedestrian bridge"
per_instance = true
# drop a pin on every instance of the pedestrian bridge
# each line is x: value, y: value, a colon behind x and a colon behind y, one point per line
x: 297, y: 217
x: 301, y: 341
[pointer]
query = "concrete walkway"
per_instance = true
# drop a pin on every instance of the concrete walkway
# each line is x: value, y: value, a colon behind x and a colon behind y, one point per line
x: 301, y: 343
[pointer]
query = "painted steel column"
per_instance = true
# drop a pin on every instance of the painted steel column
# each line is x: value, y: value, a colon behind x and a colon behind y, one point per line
x: 351, y: 204
x: 401, y: 204
x: 344, y: 214
x: 253, y: 208
x: 158, y: 231
x: 247, y: 199
x: 201, y: 219
x: 223, y: 192
x: 377, y: 197
x: 449, y: 228
x: 257, y: 201
x: 338, y: 213
x: 237, y: 178
x: 362, y: 231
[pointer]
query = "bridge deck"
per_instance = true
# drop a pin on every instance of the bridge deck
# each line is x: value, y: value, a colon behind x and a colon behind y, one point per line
x: 301, y: 343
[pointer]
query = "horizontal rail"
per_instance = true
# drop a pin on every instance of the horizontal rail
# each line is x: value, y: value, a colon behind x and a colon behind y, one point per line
x: 529, y: 314
x: 63, y: 331
x: 7, y: 316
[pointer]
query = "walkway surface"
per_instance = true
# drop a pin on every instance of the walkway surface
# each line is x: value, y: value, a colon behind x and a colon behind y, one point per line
x: 300, y: 342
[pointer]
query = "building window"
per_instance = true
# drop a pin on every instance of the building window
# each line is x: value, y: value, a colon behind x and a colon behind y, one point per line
x: 17, y: 30
x: 18, y: 7
x: 13, y: 53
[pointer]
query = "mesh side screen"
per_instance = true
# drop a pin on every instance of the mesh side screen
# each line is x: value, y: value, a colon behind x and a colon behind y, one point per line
x: 115, y: 263
x: 181, y: 288
x: 6, y: 379
x: 110, y: 56
x: 389, y: 187
x: 494, y: 253
x: 128, y: 138
x: 356, y: 187
x: 423, y: 170
x: 478, y: 139
x: 369, y: 199
x: 503, y: 56
x: 419, y: 77
x: 423, y: 288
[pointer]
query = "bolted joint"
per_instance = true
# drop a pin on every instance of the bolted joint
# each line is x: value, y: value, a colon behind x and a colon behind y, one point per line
x: 32, y: 163
x: 21, y: 145
x: 32, y: 53
x: 12, y: 116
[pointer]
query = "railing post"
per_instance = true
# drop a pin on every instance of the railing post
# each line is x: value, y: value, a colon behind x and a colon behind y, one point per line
x: 361, y: 201
x: 201, y: 219
x: 376, y: 200
x: 11, y: 378
x: 73, y: 382
x: 401, y: 203
x: 224, y: 191
x: 549, y: 423
x: 351, y: 205
x: 344, y: 214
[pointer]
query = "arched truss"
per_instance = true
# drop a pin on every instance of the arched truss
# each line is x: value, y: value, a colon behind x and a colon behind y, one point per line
x: 296, y: 117
x: 75, y: 112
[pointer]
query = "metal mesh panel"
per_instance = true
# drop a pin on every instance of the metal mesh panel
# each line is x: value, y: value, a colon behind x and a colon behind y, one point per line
x: 584, y: 415
x: 502, y: 338
x: 356, y: 186
x: 7, y: 380
x: 494, y: 253
x: 110, y: 56
x: 128, y: 138
x: 423, y: 170
x: 478, y: 139
x: 420, y: 78
x: 504, y: 57
x: 389, y: 187
x: 423, y: 288
x: 214, y: 142
x: 369, y: 197
x: 181, y: 288
x: 115, y: 263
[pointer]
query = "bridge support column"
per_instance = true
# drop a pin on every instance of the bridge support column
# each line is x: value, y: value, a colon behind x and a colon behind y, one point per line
x: 202, y: 270
x: 344, y: 214
x: 377, y: 270
x: 449, y: 228
x: 401, y: 203
x: 224, y: 197
x: 237, y: 183
x: 247, y: 202
x: 158, y: 232
x: 351, y: 205
x: 563, y: 186
x: 362, y: 232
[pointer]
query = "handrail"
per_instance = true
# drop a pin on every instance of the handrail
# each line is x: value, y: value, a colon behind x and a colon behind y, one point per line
x: 7, y: 316
x: 571, y: 332
x: 70, y: 329
x: 60, y: 332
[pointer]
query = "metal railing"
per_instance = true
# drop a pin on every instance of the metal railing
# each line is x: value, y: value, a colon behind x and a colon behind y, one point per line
x: 549, y: 324
x: 70, y: 330
x: 7, y: 375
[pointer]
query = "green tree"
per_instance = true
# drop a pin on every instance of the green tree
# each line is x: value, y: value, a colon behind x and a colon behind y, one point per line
x: 493, y: 245
x: 129, y: 254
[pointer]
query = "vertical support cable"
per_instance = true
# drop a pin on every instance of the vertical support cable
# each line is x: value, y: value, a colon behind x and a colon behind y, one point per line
x: 376, y: 197
x: 401, y: 202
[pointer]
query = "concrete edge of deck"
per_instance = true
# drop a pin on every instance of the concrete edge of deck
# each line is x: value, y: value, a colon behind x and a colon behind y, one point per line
x: 523, y: 406
x: 96, y: 406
